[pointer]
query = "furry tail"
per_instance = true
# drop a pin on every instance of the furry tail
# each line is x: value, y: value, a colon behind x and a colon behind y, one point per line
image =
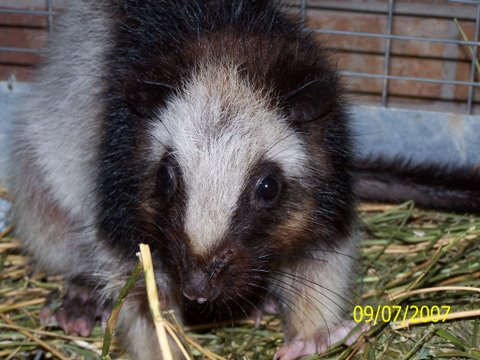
x: 448, y: 188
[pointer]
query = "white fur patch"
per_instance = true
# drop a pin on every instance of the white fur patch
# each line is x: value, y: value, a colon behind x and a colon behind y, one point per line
x: 320, y: 289
x: 55, y: 139
x: 58, y: 122
x: 219, y: 128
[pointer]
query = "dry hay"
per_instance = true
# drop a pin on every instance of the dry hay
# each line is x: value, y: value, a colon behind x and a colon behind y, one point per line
x: 409, y: 257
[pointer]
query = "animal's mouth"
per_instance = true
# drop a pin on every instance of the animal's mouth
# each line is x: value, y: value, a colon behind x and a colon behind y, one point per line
x: 203, y: 295
x: 201, y: 285
x: 199, y: 300
x: 222, y: 309
x: 206, y: 279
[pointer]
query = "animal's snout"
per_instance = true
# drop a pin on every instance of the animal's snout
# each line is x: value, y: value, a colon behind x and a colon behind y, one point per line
x: 197, y: 288
x: 203, y: 283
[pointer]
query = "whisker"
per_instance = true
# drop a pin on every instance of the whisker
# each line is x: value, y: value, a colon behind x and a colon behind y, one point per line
x: 289, y: 288
x: 240, y: 306
x: 297, y: 292
x: 282, y: 299
x: 301, y: 88
x: 306, y: 280
x: 161, y: 84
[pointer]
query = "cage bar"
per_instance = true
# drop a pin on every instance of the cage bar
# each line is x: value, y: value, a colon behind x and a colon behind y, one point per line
x: 390, y: 8
x: 25, y: 11
x: 50, y: 15
x: 21, y: 50
x: 392, y: 36
x: 386, y: 58
x: 409, y: 78
x: 303, y: 12
x: 471, y: 89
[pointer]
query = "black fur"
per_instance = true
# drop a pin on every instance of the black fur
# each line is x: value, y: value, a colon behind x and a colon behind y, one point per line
x: 159, y: 43
x: 429, y: 185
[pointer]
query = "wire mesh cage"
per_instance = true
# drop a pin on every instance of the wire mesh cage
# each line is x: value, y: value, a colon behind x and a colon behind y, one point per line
x: 419, y: 55
x: 403, y: 53
x: 390, y: 52
x: 24, y: 26
x: 410, y: 70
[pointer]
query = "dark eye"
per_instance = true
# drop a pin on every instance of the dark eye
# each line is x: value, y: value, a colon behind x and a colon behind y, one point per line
x: 268, y: 189
x: 166, y: 180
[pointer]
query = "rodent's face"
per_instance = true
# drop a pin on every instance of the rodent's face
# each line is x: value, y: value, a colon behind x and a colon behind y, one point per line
x: 230, y: 189
x: 228, y: 158
x: 269, y: 215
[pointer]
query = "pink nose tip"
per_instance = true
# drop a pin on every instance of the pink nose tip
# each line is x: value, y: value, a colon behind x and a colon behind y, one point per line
x: 196, y: 287
x: 200, y: 300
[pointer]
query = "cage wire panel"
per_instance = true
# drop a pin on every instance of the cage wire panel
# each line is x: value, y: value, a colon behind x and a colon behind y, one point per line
x: 409, y: 66
x: 388, y: 37
x: 431, y: 126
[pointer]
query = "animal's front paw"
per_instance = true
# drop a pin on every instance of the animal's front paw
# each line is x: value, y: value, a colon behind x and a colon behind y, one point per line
x: 269, y: 306
x: 78, y: 314
x: 299, y: 347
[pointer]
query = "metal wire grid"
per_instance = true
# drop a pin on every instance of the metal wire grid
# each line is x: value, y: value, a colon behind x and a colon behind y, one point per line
x: 49, y: 12
x: 389, y: 37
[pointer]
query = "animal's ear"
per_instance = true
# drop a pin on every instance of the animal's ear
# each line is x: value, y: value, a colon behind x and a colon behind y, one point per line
x: 312, y: 99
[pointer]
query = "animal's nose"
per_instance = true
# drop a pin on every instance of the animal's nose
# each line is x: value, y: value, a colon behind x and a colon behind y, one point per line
x: 196, y: 287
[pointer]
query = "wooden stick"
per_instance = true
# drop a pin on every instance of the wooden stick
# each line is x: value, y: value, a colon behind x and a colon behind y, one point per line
x: 465, y: 38
x: 171, y: 330
x: 203, y: 350
x: 42, y: 343
x: 41, y: 332
x: 154, y: 303
x: 21, y: 305
x: 374, y: 207
x: 433, y: 289
x: 112, y: 321
x: 456, y: 315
